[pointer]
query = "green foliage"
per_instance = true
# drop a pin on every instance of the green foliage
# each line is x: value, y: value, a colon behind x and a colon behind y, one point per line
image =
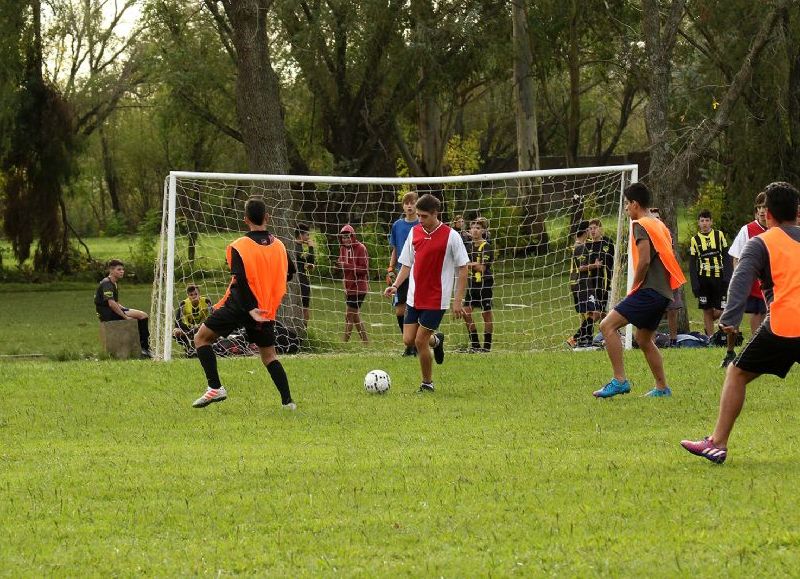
x: 116, y: 226
x: 711, y: 196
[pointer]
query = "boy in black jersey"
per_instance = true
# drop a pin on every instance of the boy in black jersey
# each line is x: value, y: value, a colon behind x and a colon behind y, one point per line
x: 305, y: 263
x: 603, y: 248
x: 481, y: 282
x: 583, y: 266
x: 106, y: 303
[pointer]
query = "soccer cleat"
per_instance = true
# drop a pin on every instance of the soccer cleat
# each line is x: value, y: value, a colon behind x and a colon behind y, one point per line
x: 410, y: 351
x: 656, y: 393
x: 289, y: 406
x: 438, y: 349
x: 426, y: 387
x: 729, y: 357
x: 146, y: 354
x: 571, y: 342
x: 211, y: 395
x: 612, y: 389
x: 707, y: 449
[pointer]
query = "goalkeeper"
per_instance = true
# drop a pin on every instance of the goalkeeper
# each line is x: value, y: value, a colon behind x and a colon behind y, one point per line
x: 397, y: 239
x: 192, y: 312
x: 481, y: 282
x: 260, y: 268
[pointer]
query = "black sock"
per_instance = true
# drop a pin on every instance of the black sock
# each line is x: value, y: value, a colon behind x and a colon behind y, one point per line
x: 278, y: 375
x: 473, y: 339
x: 400, y: 323
x: 487, y: 341
x: 581, y: 331
x: 589, y: 330
x: 208, y: 359
x: 144, y: 333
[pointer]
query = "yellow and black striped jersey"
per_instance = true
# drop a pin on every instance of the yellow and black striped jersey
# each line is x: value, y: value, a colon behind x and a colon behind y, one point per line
x: 709, y: 250
x: 481, y: 253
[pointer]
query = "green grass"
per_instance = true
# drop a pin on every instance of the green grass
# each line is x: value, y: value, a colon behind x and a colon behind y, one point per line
x: 511, y: 468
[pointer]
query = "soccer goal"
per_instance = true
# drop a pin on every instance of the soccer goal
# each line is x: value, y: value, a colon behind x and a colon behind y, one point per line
x: 532, y: 218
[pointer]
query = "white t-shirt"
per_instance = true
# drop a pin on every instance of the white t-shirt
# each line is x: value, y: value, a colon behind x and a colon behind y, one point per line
x: 433, y: 259
x: 737, y: 247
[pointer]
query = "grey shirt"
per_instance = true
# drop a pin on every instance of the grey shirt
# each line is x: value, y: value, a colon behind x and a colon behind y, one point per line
x: 754, y: 263
x: 656, y: 277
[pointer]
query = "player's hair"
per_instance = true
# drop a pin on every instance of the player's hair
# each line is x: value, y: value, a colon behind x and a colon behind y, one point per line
x: 112, y: 263
x: 595, y: 221
x: 410, y: 197
x: 191, y: 288
x: 638, y: 192
x: 704, y: 214
x: 301, y: 228
x: 482, y: 222
x: 583, y: 228
x: 782, y: 200
x: 761, y: 199
x: 255, y: 210
x: 429, y: 204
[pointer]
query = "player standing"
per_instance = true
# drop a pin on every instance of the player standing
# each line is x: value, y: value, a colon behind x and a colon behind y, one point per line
x: 260, y: 269
x: 481, y: 283
x: 583, y: 265
x: 432, y: 256
x: 397, y: 239
x: 656, y: 274
x: 774, y: 258
x: 603, y: 248
x: 305, y: 260
x: 707, y: 256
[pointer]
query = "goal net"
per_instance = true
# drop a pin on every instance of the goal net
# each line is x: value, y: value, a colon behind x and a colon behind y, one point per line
x: 532, y: 219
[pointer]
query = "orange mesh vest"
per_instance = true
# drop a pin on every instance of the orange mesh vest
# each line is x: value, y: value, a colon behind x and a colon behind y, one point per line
x: 662, y: 242
x: 784, y: 265
x: 266, y: 267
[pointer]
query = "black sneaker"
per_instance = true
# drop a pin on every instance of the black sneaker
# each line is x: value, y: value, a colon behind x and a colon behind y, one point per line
x: 146, y: 354
x: 729, y: 357
x: 410, y: 351
x: 438, y: 351
x: 426, y: 387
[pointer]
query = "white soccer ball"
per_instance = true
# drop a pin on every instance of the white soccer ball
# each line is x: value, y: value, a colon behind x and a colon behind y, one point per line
x: 377, y: 382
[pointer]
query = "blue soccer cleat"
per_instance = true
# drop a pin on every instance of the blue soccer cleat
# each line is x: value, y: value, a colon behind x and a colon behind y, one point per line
x: 612, y: 389
x: 656, y: 393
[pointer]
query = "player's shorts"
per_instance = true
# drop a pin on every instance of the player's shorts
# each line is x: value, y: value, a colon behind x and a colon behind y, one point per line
x: 429, y: 319
x: 755, y: 306
x: 601, y: 298
x: 712, y: 294
x: 228, y: 318
x: 677, y: 300
x: 305, y: 290
x: 644, y: 308
x: 479, y: 297
x: 401, y: 295
x: 585, y: 299
x: 767, y: 353
x: 354, y: 301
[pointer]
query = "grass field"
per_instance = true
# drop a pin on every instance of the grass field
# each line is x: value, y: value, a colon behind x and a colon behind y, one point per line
x: 510, y: 468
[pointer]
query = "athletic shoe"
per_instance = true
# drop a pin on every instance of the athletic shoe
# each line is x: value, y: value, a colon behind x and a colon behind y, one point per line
x: 410, y: 351
x: 211, y: 395
x: 289, y: 406
x: 571, y: 342
x: 438, y: 350
x: 656, y: 393
x: 426, y: 387
x: 729, y: 357
x: 612, y: 389
x: 707, y: 449
x: 146, y: 355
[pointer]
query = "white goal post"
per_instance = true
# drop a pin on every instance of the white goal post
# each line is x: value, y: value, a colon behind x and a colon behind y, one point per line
x: 532, y: 216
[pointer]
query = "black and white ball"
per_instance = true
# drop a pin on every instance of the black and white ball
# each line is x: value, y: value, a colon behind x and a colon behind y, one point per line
x: 377, y: 382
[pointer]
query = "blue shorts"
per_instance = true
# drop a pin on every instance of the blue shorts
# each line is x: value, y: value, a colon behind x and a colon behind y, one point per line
x: 429, y: 319
x: 755, y: 306
x: 644, y: 308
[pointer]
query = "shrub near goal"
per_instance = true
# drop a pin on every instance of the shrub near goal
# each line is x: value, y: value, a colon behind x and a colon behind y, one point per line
x: 531, y: 215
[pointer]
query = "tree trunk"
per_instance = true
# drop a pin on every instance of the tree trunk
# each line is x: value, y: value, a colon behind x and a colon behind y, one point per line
x: 574, y: 65
x: 258, y: 108
x: 110, y: 173
x: 529, y: 195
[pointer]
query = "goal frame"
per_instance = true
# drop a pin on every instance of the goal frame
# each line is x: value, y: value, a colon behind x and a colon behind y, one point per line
x: 163, y: 294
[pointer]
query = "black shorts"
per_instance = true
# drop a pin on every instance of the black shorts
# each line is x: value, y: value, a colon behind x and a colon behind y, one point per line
x: 479, y: 297
x: 601, y: 299
x: 428, y: 319
x: 767, y: 353
x: 585, y: 299
x: 712, y: 293
x: 305, y: 290
x: 228, y: 318
x: 644, y: 308
x: 354, y: 301
x: 755, y: 306
x: 401, y: 295
x: 677, y: 300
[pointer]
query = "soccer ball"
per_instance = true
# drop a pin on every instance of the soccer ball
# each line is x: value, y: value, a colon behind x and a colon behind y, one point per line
x: 377, y: 382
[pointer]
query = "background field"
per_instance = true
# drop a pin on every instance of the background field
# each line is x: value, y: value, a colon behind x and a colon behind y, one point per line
x: 511, y: 468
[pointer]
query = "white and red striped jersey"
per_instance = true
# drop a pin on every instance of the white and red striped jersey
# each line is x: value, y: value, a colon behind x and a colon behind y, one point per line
x: 433, y: 259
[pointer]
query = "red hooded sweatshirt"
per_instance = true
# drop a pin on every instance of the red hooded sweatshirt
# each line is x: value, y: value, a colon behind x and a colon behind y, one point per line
x: 354, y: 261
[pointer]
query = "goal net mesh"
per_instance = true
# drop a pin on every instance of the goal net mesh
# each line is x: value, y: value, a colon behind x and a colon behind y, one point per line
x: 532, y: 219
